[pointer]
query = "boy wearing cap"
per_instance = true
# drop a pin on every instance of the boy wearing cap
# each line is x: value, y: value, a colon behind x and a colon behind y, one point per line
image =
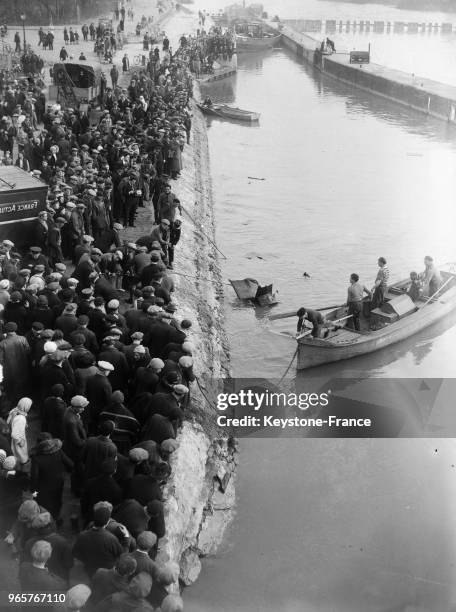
x: 145, y: 543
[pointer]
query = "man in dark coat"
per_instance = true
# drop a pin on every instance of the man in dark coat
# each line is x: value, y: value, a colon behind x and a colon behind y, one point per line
x: 97, y: 318
x: 108, y: 581
x: 14, y: 357
x: 133, y: 515
x: 67, y: 322
x: 150, y: 271
x: 99, y: 392
x: 158, y: 428
x: 42, y: 313
x: 49, y: 464
x: 157, y: 334
x: 53, y: 413
x: 98, y: 449
x: 90, y: 340
x: 15, y: 312
x: 103, y: 288
x: 101, y: 488
x: 168, y: 405
x: 145, y: 544
x: 143, y: 487
x: 148, y: 377
x: 35, y: 258
x: 35, y: 576
x: 85, y: 268
x: 61, y: 559
x: 120, y: 375
x: 55, y: 241
x: 97, y: 547
x: 53, y: 373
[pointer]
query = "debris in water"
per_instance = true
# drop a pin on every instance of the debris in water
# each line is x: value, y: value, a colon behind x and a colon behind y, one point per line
x: 306, y: 275
x: 255, y: 178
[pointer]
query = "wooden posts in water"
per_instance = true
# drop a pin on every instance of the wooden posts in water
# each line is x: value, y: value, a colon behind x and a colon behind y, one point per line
x: 362, y: 25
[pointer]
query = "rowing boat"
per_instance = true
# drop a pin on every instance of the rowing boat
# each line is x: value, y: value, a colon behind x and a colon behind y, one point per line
x: 398, y: 319
x: 229, y: 112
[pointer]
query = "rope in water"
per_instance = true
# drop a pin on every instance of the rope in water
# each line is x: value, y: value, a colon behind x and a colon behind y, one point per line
x: 289, y: 366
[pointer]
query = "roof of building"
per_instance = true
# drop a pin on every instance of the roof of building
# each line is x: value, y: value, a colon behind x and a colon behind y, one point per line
x: 12, y: 177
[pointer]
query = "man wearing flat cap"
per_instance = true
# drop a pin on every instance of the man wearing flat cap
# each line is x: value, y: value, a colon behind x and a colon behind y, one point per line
x: 82, y: 251
x: 55, y: 241
x: 76, y: 225
x: 106, y: 582
x: 74, y: 438
x: 67, y: 321
x: 97, y: 547
x: 84, y: 269
x: 53, y: 372
x: 147, y: 378
x: 120, y: 373
x: 99, y: 392
x: 34, y: 258
x: 98, y: 449
x: 168, y: 405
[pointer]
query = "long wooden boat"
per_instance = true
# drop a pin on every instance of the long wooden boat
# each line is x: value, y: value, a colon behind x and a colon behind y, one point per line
x: 255, y: 36
x: 229, y: 112
x: 252, y: 43
x: 398, y: 319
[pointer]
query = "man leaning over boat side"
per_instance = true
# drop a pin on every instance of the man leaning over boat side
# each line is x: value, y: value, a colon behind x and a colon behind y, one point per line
x: 381, y: 284
x: 314, y: 317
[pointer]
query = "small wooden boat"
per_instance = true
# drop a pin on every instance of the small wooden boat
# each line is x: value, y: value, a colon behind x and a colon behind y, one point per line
x: 229, y: 112
x: 397, y: 319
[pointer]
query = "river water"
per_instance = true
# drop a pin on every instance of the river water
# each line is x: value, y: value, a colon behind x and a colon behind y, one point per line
x: 332, y: 525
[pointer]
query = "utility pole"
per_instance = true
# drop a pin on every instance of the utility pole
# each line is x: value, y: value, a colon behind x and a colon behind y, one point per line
x: 23, y: 18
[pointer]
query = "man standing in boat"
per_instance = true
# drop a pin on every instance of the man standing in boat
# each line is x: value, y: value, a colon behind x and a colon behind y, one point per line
x: 314, y: 317
x: 355, y: 299
x: 431, y: 276
x: 381, y: 283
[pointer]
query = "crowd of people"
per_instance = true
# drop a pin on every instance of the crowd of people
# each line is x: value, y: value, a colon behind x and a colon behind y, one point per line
x: 96, y: 360
x: 206, y: 48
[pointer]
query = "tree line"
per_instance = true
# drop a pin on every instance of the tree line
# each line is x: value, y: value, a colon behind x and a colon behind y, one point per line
x: 43, y: 12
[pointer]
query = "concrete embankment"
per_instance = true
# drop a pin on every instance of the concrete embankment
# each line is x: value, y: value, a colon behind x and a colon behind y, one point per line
x: 425, y: 95
x: 200, y: 492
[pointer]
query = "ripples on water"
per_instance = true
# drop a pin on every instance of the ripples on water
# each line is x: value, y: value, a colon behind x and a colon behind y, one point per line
x: 332, y: 525
x: 348, y: 176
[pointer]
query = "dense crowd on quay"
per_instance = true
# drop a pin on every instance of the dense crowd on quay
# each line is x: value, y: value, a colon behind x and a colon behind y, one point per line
x: 96, y: 360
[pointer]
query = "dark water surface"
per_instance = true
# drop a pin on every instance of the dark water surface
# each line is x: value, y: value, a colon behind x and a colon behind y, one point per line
x: 331, y: 525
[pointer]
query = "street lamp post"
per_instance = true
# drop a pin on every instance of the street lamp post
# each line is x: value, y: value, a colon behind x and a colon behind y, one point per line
x: 23, y: 17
